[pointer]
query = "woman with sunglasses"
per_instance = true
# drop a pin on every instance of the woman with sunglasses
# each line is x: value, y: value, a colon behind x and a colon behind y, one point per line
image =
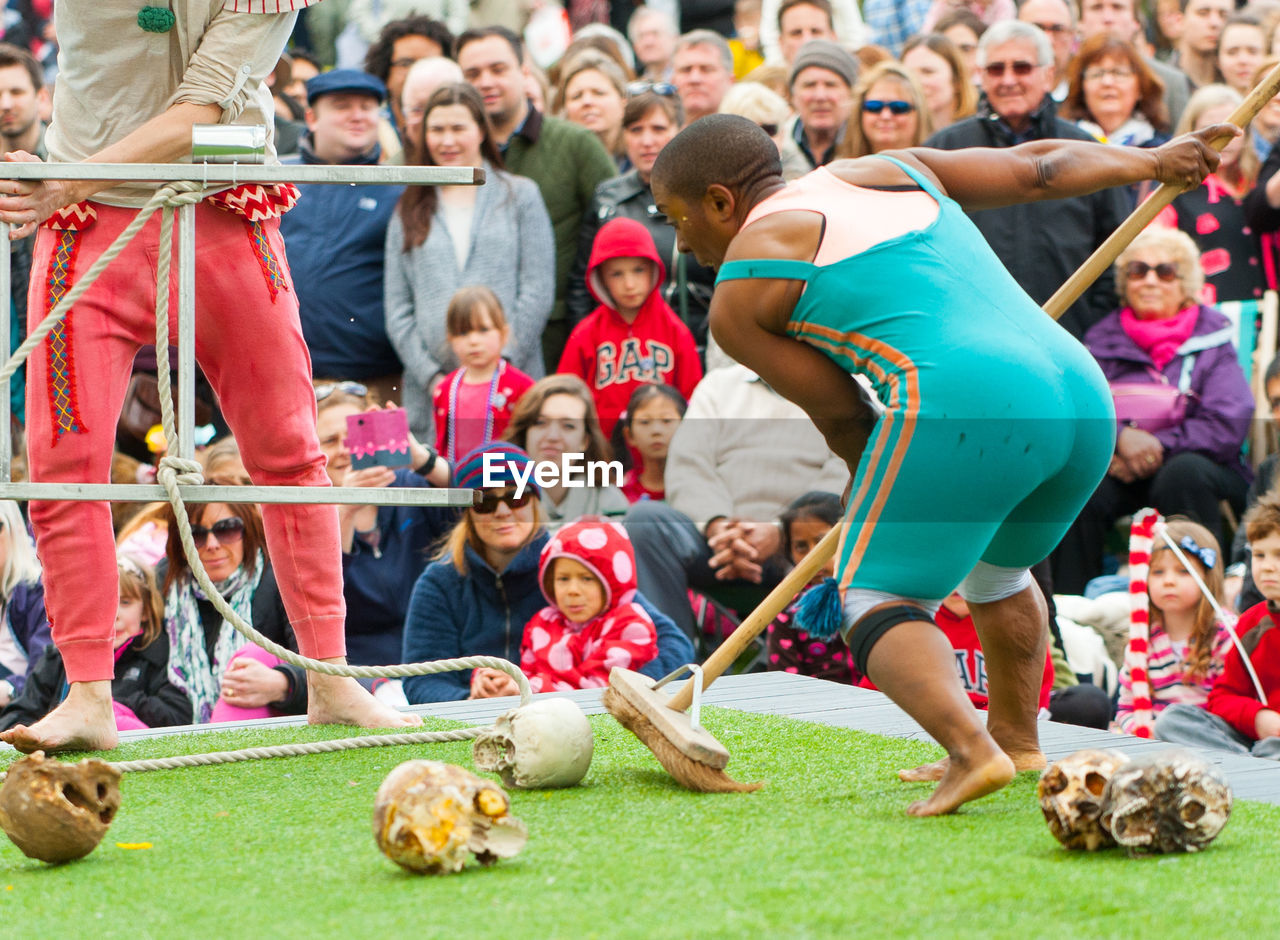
x: 476, y: 596
x: 889, y: 113
x: 1184, y: 458
x: 651, y: 117
x: 226, y: 677
x: 442, y: 238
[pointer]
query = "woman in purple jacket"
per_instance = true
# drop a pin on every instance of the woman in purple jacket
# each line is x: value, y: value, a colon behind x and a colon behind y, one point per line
x: 1182, y: 456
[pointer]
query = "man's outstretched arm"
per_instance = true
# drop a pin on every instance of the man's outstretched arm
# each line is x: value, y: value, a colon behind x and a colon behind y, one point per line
x: 986, y: 178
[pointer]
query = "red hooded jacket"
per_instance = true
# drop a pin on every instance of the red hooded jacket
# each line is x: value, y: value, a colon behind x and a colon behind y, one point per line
x: 613, y: 356
x: 557, y: 654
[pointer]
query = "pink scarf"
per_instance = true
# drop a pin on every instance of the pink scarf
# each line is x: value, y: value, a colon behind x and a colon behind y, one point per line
x: 1160, y: 338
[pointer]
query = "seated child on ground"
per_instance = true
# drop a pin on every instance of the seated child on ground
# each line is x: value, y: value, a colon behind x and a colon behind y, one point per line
x: 646, y: 428
x: 473, y: 403
x: 633, y: 337
x: 790, y: 648
x: 1243, y: 710
x: 588, y: 574
x: 1184, y: 643
x: 141, y: 692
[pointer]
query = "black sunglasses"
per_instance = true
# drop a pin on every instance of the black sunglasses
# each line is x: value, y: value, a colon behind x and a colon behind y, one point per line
x: 875, y: 106
x: 663, y: 89
x: 488, y: 502
x: 227, y: 531
x: 770, y: 129
x: 1021, y: 68
x: 1137, y: 270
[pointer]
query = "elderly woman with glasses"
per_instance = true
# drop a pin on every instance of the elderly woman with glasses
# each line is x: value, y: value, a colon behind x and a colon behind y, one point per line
x: 482, y: 588
x: 889, y: 113
x: 651, y: 117
x: 1182, y: 402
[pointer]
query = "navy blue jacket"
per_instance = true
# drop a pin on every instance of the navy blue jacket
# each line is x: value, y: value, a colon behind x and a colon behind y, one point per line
x: 482, y: 613
x: 377, y: 584
x: 28, y: 624
x: 335, y: 238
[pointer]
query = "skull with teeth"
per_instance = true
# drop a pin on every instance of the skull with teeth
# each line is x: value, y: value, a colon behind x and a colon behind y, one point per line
x: 432, y: 817
x: 544, y: 744
x: 1171, y: 802
x: 1071, y: 796
x: 58, y: 812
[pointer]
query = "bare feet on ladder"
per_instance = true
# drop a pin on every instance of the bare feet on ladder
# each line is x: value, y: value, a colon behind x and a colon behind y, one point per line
x: 84, y: 721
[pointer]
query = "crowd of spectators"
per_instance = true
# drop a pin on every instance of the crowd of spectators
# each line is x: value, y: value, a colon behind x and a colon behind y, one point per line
x: 549, y: 312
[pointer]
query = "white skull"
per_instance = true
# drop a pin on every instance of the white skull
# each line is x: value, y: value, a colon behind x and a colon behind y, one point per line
x: 544, y: 744
x: 1171, y: 802
x: 432, y: 817
x: 1070, y: 793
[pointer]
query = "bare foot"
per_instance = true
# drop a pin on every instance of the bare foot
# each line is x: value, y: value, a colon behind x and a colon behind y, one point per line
x: 338, y: 700
x: 83, y: 721
x: 964, y: 781
x: 1026, y: 760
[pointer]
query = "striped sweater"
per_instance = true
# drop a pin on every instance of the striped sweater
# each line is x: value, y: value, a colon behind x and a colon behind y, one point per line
x: 1165, y: 667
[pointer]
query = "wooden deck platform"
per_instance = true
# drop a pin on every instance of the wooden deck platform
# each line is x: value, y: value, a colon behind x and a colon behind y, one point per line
x: 806, y: 699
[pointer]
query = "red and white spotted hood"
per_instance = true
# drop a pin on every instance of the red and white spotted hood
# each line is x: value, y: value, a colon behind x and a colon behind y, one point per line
x: 604, y: 548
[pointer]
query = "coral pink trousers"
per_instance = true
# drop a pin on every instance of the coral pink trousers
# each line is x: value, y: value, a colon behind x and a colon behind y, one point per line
x: 249, y: 344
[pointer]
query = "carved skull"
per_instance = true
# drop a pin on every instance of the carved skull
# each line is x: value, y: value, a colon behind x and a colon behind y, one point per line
x: 1070, y: 793
x: 1171, y: 802
x: 544, y: 744
x: 431, y: 817
x: 58, y: 812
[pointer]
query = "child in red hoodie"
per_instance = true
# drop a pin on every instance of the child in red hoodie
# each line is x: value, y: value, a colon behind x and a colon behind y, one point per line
x: 588, y: 574
x: 633, y: 336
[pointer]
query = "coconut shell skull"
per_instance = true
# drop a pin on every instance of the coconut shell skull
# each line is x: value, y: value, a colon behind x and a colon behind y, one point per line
x: 1071, y: 797
x: 545, y: 744
x: 433, y: 817
x: 1171, y: 802
x: 58, y: 812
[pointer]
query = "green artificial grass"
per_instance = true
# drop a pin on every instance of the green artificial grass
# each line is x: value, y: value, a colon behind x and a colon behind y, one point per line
x: 283, y: 848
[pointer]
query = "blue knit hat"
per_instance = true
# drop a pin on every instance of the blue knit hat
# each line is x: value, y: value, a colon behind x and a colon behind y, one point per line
x: 469, y: 473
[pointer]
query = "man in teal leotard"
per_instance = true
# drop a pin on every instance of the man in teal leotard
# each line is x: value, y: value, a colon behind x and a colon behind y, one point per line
x: 996, y: 425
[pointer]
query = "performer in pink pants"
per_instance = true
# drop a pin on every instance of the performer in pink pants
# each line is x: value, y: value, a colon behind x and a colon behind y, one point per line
x: 124, y: 96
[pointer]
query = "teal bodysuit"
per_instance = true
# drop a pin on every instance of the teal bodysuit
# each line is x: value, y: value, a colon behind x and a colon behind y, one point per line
x: 998, y: 425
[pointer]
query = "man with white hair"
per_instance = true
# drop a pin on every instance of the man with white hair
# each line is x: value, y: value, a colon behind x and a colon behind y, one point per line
x: 423, y: 79
x: 653, y: 34
x: 1040, y: 243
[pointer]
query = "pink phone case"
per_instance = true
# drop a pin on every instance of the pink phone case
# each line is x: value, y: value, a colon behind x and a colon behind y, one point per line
x: 378, y: 438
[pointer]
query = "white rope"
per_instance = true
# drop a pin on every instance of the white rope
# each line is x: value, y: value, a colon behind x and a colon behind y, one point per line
x: 1227, y: 620
x: 174, y: 472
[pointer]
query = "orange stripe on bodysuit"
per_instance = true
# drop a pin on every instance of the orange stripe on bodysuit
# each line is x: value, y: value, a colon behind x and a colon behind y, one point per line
x: 834, y: 341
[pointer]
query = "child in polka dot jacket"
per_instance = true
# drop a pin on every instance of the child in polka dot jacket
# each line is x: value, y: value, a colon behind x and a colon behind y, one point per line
x: 588, y: 573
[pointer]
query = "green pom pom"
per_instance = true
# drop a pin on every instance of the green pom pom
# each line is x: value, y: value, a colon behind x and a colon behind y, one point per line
x: 156, y: 19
